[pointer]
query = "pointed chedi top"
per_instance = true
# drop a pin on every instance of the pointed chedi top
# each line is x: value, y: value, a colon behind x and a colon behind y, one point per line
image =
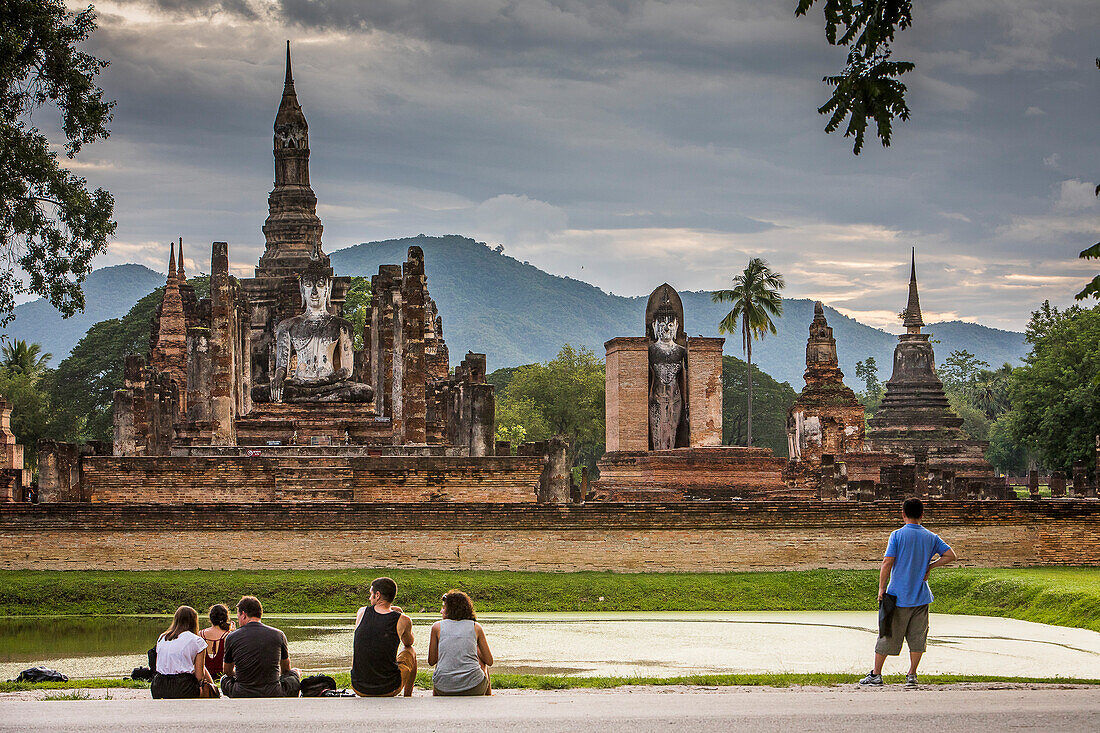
x: 172, y: 264
x: 181, y: 276
x: 913, y: 319
x: 289, y: 81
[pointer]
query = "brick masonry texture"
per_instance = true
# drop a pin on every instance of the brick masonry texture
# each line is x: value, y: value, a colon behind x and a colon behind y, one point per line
x: 176, y: 479
x: 618, y: 537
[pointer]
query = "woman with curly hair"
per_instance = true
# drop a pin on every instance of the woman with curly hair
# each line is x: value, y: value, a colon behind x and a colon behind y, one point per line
x: 458, y: 649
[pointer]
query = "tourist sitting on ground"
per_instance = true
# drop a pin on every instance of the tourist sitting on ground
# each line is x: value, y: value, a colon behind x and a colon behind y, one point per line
x: 458, y: 649
x: 214, y: 635
x: 181, y: 656
x: 377, y: 669
x: 257, y: 659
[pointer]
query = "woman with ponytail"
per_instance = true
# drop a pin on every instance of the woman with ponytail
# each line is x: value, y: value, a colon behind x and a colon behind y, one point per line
x: 214, y: 636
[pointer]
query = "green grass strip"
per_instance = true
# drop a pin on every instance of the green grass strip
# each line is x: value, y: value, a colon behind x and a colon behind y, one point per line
x: 1062, y: 596
x: 560, y: 682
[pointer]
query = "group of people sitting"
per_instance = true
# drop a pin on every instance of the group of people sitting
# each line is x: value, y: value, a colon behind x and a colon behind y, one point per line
x: 252, y: 659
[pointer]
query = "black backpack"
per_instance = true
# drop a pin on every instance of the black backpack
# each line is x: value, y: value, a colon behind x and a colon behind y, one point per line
x: 42, y: 674
x: 316, y: 685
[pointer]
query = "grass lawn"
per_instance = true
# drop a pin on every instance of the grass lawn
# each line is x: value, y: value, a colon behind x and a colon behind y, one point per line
x: 559, y: 682
x: 1063, y: 596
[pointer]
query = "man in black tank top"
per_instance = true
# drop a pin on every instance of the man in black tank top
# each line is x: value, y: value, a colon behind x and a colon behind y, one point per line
x: 377, y: 669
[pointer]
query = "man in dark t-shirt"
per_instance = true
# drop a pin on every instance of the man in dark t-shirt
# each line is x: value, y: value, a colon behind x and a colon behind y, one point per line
x: 257, y: 660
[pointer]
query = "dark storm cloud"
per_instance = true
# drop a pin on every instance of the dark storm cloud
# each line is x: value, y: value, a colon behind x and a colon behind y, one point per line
x: 679, y: 136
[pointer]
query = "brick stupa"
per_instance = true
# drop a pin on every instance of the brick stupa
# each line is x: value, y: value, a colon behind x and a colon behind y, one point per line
x: 915, y: 419
x: 827, y: 418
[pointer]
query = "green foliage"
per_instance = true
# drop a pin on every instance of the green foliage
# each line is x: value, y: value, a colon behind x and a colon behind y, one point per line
x: 960, y: 369
x: 19, y: 358
x: 23, y: 379
x: 1006, y: 453
x: 756, y: 300
x: 84, y: 383
x: 868, y: 88
x: 1056, y: 394
x: 564, y: 396
x: 50, y: 224
x: 873, y: 389
x: 1063, y: 596
x: 771, y: 401
x: 356, y: 303
x: 519, y: 419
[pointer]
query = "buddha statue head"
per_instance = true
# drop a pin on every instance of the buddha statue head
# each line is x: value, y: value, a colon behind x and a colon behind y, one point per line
x: 315, y: 285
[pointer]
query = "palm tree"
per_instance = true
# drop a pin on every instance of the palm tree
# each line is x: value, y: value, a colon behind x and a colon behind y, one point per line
x: 19, y: 358
x: 755, y: 297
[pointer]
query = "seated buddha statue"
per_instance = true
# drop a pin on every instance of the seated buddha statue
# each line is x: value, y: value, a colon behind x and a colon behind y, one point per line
x: 321, y: 346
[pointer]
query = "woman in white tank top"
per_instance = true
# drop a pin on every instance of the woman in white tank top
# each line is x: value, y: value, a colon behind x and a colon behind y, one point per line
x: 458, y: 649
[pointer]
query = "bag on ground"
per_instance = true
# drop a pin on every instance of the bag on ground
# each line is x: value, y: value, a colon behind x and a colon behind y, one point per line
x: 41, y: 674
x: 315, y: 685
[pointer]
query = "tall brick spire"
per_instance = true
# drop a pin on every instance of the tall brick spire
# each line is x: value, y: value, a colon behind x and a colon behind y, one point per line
x: 292, y: 224
x: 913, y: 319
x: 168, y: 341
x: 181, y: 276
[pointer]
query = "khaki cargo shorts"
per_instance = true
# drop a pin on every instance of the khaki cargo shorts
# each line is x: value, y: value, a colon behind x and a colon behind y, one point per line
x: 909, y: 623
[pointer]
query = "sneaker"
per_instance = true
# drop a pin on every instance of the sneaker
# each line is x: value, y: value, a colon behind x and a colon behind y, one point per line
x: 910, y: 682
x: 872, y: 680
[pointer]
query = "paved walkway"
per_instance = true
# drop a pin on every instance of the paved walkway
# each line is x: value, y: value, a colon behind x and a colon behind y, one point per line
x: 627, y: 710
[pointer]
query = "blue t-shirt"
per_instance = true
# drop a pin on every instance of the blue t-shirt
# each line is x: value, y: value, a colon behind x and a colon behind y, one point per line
x: 912, y: 547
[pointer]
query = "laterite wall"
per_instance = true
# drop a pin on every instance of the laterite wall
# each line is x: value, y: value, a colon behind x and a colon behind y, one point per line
x: 702, y: 536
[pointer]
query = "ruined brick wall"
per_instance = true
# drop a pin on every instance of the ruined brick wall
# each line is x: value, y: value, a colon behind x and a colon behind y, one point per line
x: 627, y: 394
x: 718, y: 472
x: 286, y: 478
x: 704, y: 367
x: 616, y: 537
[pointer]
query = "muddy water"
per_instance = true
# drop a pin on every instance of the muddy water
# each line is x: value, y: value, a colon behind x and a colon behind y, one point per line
x: 649, y: 644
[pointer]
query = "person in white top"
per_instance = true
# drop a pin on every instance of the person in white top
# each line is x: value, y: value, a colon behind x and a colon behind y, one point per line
x: 181, y: 660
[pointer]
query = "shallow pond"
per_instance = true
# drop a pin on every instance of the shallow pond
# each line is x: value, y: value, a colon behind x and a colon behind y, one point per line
x: 642, y: 644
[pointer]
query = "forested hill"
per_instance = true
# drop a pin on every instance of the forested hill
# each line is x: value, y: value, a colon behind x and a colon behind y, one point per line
x: 517, y: 314
x: 108, y: 293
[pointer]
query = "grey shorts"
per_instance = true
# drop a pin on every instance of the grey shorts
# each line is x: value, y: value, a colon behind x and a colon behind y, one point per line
x: 909, y: 623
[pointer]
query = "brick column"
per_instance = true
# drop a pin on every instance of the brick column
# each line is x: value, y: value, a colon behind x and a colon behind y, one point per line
x: 222, y: 342
x: 1033, y: 484
x: 626, y: 388
x: 1057, y: 485
x: 704, y: 363
x: 415, y: 378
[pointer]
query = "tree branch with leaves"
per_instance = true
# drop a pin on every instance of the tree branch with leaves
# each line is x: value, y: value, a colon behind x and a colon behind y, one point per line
x: 869, y: 87
x: 51, y: 225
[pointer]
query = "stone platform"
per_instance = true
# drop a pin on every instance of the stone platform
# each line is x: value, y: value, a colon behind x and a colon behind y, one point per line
x: 718, y: 472
x: 279, y: 421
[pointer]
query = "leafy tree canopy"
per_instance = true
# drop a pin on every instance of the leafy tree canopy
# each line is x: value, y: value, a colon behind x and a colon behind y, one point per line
x: 51, y: 226
x: 1056, y: 394
x: 771, y: 401
x: 564, y: 396
x: 868, y: 88
x: 21, y: 358
x: 356, y: 302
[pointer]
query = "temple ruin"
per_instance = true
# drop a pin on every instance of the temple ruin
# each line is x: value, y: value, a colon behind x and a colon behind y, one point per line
x: 257, y: 392
x: 664, y: 419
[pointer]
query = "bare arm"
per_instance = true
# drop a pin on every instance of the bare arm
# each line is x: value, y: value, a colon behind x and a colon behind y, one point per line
x: 282, y: 363
x: 200, y: 665
x: 483, y: 654
x: 227, y: 669
x: 944, y: 559
x: 433, y: 645
x: 405, y: 630
x: 884, y: 575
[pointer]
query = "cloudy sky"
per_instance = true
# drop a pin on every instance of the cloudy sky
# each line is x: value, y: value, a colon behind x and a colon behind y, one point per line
x: 621, y: 142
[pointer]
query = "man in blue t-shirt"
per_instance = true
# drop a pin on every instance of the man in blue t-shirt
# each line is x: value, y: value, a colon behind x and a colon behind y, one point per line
x: 907, y: 563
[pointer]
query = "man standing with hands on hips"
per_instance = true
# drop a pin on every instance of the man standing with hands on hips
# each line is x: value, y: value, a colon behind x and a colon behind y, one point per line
x: 903, y: 604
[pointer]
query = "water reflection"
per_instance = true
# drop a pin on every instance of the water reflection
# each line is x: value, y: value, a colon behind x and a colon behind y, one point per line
x: 658, y: 644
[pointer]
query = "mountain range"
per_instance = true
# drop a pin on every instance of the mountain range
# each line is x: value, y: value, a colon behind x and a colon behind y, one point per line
x: 517, y: 314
